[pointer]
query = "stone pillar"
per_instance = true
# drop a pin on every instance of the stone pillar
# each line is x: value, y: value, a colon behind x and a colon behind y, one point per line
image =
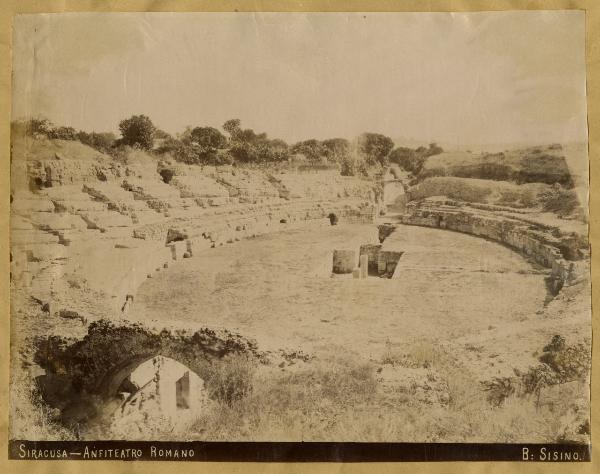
x: 364, y: 265
x: 188, y: 247
x: 381, y: 263
x: 344, y: 261
x: 173, y: 251
x: 372, y: 251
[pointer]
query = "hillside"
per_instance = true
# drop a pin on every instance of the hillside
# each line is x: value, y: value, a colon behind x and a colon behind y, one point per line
x: 531, y: 165
x: 27, y: 148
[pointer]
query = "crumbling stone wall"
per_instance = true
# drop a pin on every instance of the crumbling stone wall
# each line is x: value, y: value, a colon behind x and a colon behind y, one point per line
x: 546, y: 245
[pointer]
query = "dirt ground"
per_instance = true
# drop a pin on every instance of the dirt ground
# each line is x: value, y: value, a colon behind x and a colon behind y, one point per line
x: 479, y: 298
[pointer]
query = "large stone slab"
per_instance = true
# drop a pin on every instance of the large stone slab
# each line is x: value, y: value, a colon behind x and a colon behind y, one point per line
x: 344, y: 261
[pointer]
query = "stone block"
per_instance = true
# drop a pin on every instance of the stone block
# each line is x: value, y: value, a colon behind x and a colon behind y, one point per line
x: 28, y: 237
x: 58, y: 221
x: 344, y: 261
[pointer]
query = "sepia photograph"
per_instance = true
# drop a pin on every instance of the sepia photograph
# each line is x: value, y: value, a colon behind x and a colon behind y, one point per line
x: 316, y: 228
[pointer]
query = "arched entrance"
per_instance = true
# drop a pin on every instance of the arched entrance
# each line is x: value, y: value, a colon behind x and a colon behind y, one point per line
x: 159, y: 388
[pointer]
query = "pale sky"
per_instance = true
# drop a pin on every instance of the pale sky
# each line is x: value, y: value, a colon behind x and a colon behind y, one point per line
x: 467, y: 78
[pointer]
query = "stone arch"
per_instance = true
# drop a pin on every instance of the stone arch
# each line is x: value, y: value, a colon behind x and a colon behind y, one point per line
x: 98, y: 363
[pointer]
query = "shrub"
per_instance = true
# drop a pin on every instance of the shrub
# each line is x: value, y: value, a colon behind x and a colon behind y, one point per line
x: 63, y: 133
x: 559, y: 200
x: 39, y: 126
x: 560, y: 363
x: 454, y: 188
x: 568, y: 362
x: 541, y: 167
x: 221, y: 157
x: 519, y: 197
x: 102, y: 142
x: 499, y: 389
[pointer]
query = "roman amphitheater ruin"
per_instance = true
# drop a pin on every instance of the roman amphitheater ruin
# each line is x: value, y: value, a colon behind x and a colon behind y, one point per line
x: 157, y: 268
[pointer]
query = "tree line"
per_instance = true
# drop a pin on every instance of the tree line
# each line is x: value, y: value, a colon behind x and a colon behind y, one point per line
x: 236, y: 145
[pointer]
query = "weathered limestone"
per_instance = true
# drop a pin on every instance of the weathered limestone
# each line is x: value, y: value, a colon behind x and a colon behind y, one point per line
x: 57, y: 221
x: 107, y: 224
x: 323, y: 184
x: 20, y: 238
x: 247, y: 185
x: 115, y: 196
x: 105, y: 219
x: 344, y: 261
x: 199, y: 186
x: 546, y: 245
x: 25, y: 203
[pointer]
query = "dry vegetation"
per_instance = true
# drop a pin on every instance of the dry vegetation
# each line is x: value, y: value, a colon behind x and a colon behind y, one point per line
x: 339, y: 398
x: 480, y: 190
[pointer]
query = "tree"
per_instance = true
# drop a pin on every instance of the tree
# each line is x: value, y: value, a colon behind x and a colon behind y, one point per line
x: 336, y: 149
x: 179, y: 150
x: 206, y: 141
x: 312, y: 149
x: 208, y: 138
x: 413, y: 160
x: 232, y: 127
x: 375, y: 148
x: 137, y: 131
x: 247, y: 146
x: 161, y: 134
x: 408, y: 159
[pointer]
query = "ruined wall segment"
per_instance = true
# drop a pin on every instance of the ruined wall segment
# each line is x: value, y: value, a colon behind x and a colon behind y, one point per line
x: 562, y: 252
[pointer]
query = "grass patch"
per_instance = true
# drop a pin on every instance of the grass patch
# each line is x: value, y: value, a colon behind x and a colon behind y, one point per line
x: 30, y: 417
x: 300, y: 404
